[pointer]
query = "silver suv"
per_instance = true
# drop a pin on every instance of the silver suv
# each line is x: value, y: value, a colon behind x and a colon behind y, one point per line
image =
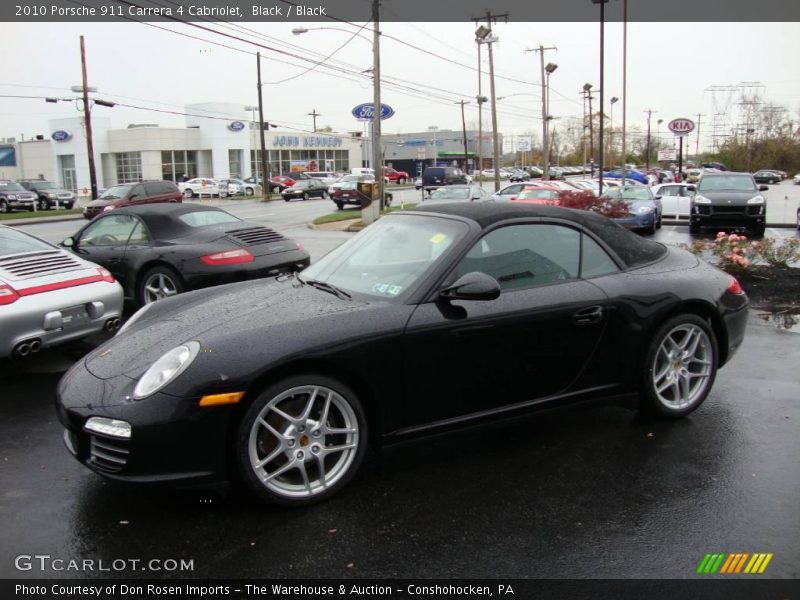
x: 13, y: 196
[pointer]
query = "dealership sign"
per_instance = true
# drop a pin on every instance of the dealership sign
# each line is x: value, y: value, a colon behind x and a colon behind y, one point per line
x: 236, y: 126
x: 681, y: 126
x: 366, y: 111
x: 307, y: 141
x: 61, y: 135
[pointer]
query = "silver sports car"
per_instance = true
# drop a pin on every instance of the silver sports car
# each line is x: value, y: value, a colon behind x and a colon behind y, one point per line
x: 49, y: 296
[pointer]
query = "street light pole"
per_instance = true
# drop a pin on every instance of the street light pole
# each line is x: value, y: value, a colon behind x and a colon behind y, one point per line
x: 464, y: 130
x: 602, y: 4
x: 480, y: 113
x: 87, y: 115
x: 376, y: 113
x: 548, y: 70
x: 611, y: 132
x: 624, y: 85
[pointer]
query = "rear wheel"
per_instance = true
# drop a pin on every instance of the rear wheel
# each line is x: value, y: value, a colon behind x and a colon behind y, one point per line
x: 339, y: 204
x: 43, y: 205
x: 3, y: 206
x: 305, y: 196
x: 694, y: 229
x: 187, y: 193
x: 159, y: 282
x: 249, y: 191
x: 301, y: 440
x: 680, y: 367
x: 401, y: 180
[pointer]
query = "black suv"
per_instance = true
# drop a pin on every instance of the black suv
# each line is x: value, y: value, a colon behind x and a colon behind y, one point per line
x: 49, y: 194
x: 434, y: 177
x: 13, y: 195
x: 728, y: 201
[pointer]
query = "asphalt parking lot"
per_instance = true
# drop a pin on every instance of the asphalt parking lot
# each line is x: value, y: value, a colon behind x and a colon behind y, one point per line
x: 596, y: 492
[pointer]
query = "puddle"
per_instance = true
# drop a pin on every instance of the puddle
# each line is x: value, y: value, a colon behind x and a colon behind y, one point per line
x: 784, y: 320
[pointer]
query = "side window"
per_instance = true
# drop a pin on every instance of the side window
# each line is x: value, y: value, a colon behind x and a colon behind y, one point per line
x: 594, y: 260
x: 139, y: 235
x: 113, y: 230
x: 138, y: 190
x: 525, y: 256
x: 153, y: 188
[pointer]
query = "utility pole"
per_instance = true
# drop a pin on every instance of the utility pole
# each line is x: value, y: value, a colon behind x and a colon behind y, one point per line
x: 697, y: 142
x: 624, y: 85
x: 583, y: 134
x: 376, y: 113
x: 591, y: 132
x: 314, y: 114
x: 490, y: 20
x: 480, y: 100
x: 647, y: 159
x: 545, y: 123
x: 265, y: 175
x: 87, y: 116
x: 464, y: 130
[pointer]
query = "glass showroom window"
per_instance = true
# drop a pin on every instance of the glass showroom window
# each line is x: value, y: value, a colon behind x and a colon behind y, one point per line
x: 235, y: 164
x: 129, y: 166
x: 176, y: 163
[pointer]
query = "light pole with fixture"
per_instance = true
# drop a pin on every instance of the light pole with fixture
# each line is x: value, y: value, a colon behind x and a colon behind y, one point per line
x: 549, y: 69
x: 602, y: 4
x: 613, y: 101
x: 484, y: 36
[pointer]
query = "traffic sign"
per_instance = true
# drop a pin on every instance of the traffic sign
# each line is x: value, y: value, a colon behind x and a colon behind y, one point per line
x: 681, y: 126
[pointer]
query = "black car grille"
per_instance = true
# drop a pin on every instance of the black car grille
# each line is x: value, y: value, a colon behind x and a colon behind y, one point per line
x: 256, y: 235
x: 729, y: 210
x: 40, y: 263
x: 107, y: 454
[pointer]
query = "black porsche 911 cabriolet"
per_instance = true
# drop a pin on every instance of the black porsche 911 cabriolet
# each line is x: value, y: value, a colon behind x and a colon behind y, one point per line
x: 428, y: 320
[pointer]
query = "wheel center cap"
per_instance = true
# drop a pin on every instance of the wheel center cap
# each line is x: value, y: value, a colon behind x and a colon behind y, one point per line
x: 677, y: 365
x: 304, y: 441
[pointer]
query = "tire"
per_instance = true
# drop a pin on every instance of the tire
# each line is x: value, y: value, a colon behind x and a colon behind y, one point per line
x: 324, y: 195
x: 305, y: 197
x: 3, y: 207
x: 758, y: 231
x: 293, y: 452
x: 694, y: 229
x: 401, y: 181
x: 683, y: 346
x: 658, y: 223
x: 43, y: 205
x: 158, y: 282
x: 339, y: 204
x: 249, y: 191
x: 188, y: 193
x: 388, y: 200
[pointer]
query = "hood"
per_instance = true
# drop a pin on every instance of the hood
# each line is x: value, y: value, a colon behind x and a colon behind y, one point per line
x: 99, y: 203
x: 732, y: 197
x: 211, y: 316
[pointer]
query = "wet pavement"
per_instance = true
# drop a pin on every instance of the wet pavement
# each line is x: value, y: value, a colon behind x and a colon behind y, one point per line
x: 595, y: 492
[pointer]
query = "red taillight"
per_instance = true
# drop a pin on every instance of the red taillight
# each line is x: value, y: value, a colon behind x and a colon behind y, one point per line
x: 734, y: 287
x: 301, y: 247
x: 444, y: 181
x: 106, y: 275
x: 8, y: 295
x: 229, y: 257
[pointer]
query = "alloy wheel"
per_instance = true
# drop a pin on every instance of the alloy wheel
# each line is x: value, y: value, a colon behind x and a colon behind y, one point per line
x: 159, y: 286
x: 683, y: 367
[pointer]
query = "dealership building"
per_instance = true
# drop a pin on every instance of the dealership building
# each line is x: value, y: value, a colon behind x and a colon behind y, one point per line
x: 219, y: 140
x: 410, y: 151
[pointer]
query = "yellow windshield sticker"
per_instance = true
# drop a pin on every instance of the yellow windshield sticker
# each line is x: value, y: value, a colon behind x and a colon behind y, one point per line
x: 437, y: 238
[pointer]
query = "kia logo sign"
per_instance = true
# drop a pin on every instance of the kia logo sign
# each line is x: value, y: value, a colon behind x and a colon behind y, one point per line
x: 61, y: 135
x: 681, y: 126
x: 366, y: 111
x: 236, y: 126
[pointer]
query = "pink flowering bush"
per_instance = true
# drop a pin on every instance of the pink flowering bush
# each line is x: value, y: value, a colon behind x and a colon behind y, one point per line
x: 734, y: 252
x: 775, y: 254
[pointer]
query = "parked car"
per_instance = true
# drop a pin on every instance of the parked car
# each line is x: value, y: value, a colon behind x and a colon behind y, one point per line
x: 676, y: 200
x: 433, y: 177
x: 348, y: 179
x: 516, y: 175
x: 287, y: 382
x: 632, y: 174
x: 459, y: 193
x: 305, y: 189
x: 504, y: 194
x: 284, y: 180
x: 566, y: 186
x: 644, y: 208
x: 49, y: 194
x: 326, y: 177
x: 345, y: 193
x: 714, y: 165
x: 203, y: 186
x: 160, y: 250
x: 398, y: 177
x: 13, y: 197
x: 765, y: 176
x: 48, y: 297
x: 537, y: 194
x: 693, y: 175
x: 728, y: 200
x: 129, y: 194
x: 796, y: 179
x: 274, y: 184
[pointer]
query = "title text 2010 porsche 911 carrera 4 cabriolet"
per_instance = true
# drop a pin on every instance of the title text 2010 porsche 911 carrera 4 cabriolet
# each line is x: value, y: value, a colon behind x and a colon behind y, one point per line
x: 428, y: 320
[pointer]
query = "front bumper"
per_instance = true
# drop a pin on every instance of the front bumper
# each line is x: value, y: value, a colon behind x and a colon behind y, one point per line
x: 637, y: 221
x: 172, y: 439
x: 725, y: 216
x: 736, y: 324
x: 32, y: 317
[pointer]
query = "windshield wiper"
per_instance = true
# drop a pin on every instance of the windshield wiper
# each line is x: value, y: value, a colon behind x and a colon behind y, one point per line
x: 326, y: 287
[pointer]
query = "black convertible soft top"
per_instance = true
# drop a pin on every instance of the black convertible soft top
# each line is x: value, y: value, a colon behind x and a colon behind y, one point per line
x: 162, y: 218
x: 631, y: 248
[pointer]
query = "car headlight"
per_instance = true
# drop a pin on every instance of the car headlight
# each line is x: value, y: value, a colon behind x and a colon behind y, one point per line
x: 698, y: 199
x: 756, y: 200
x: 11, y: 197
x: 165, y: 369
x: 52, y: 195
x: 644, y: 210
x: 108, y: 208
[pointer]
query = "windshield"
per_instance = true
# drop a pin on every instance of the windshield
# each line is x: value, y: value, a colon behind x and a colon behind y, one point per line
x: 43, y: 185
x: 451, y: 194
x: 630, y: 193
x: 10, y: 186
x: 202, y: 218
x: 734, y: 183
x: 14, y: 242
x: 388, y: 258
x: 538, y: 194
x: 118, y: 191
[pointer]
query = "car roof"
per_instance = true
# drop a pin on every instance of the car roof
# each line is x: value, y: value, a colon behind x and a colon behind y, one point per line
x: 632, y: 249
x: 163, y: 217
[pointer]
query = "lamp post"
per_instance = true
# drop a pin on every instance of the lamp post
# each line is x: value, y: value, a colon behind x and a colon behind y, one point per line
x: 613, y: 101
x: 549, y: 69
x: 658, y: 136
x: 602, y: 4
x: 484, y: 36
x: 433, y: 129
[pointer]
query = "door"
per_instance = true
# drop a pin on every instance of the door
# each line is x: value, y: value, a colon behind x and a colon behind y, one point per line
x: 670, y: 198
x: 467, y: 357
x: 103, y: 241
x: 69, y: 180
x: 138, y: 195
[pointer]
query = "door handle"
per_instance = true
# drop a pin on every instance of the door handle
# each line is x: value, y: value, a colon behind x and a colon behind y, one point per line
x: 588, y: 316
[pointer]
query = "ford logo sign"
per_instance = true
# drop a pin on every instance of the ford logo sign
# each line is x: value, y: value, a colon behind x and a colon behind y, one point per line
x: 366, y: 111
x: 236, y: 126
x: 61, y: 135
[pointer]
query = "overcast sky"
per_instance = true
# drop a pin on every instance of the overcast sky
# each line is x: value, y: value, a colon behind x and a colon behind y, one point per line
x: 669, y: 67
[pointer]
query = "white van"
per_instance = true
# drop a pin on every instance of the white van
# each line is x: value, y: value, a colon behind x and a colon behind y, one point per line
x: 362, y: 171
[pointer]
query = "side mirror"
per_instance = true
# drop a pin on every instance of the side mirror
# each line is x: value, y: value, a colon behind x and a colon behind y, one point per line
x: 69, y: 242
x: 133, y: 197
x: 472, y: 286
x: 763, y: 188
x: 691, y: 188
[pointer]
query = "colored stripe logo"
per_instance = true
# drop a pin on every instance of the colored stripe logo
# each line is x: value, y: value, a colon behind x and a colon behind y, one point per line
x: 734, y: 563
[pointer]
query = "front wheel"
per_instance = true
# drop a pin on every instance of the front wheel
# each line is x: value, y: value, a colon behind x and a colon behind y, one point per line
x: 758, y: 231
x: 694, y: 229
x: 301, y: 440
x: 43, y: 205
x: 680, y: 367
x: 401, y: 181
x: 339, y: 204
x: 187, y: 193
x: 249, y: 191
x: 305, y: 196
